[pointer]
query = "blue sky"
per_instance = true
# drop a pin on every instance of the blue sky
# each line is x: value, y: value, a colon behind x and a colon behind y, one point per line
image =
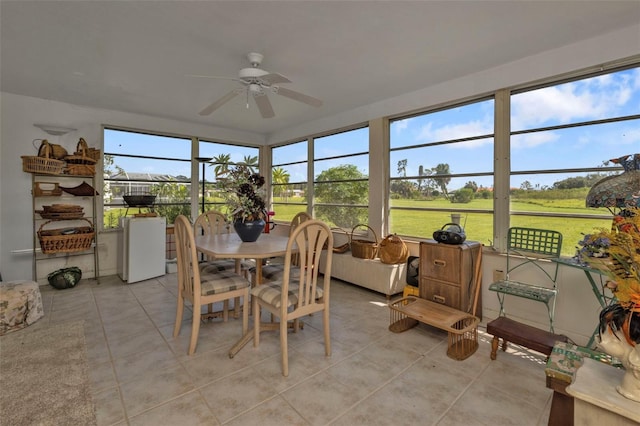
x: 603, y: 97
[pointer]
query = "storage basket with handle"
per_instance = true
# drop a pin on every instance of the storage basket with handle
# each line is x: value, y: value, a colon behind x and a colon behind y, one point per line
x: 43, y: 163
x: 82, y: 147
x: 65, y: 240
x: 363, y: 249
x: 81, y: 164
x: 393, y: 250
x: 56, y: 151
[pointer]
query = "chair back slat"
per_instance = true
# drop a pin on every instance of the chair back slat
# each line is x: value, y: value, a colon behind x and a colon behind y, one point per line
x: 306, y: 243
x: 211, y: 223
x: 188, y: 271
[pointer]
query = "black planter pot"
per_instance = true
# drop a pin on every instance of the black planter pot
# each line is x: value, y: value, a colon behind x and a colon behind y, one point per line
x: 249, y: 231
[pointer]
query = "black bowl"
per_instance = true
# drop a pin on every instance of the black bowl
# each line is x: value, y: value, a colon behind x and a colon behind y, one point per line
x: 139, y: 200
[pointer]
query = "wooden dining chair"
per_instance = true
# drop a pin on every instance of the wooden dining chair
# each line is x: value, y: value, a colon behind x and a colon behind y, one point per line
x: 202, y: 288
x: 210, y: 223
x: 274, y: 270
x: 293, y: 298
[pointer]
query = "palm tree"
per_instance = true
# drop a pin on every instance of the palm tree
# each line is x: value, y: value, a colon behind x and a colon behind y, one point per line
x: 279, y: 176
x: 442, y: 169
x: 221, y: 163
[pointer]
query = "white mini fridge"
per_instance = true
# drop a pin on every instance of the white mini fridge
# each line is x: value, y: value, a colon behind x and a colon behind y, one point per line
x: 142, y: 245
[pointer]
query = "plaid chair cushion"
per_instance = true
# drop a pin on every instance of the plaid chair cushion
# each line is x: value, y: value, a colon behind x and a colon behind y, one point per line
x: 210, y: 266
x: 270, y: 293
x: 275, y: 272
x: 221, y: 281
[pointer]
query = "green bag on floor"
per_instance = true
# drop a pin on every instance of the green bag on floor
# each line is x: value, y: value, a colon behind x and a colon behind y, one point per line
x: 65, y: 277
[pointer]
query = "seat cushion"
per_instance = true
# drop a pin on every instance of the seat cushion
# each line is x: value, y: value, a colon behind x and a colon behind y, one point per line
x: 223, y: 265
x: 217, y: 282
x: 275, y: 272
x: 271, y: 293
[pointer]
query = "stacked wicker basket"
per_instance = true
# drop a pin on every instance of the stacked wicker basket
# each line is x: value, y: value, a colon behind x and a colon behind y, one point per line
x: 52, y: 159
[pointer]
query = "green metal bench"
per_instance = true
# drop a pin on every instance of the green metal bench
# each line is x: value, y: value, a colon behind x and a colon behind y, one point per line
x: 530, y: 251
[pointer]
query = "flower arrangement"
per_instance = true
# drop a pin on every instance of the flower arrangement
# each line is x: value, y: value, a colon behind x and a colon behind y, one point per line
x: 593, y: 245
x: 623, y: 269
x: 242, y: 190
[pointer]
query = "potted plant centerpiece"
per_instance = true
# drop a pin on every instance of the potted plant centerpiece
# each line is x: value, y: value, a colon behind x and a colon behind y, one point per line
x: 242, y: 190
x: 620, y: 321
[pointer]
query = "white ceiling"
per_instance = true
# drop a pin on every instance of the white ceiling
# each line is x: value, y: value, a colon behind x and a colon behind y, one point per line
x: 133, y: 56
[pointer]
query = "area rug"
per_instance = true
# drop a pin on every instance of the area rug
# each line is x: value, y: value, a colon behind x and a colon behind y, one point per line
x: 44, y: 377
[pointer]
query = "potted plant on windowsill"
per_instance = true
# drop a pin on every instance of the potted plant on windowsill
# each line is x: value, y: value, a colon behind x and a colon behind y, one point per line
x: 243, y: 191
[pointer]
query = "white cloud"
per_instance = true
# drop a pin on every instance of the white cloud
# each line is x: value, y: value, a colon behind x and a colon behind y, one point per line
x: 530, y: 140
x: 401, y: 125
x: 590, y: 99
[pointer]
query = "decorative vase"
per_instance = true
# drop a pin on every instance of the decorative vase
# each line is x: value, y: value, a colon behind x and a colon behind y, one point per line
x: 615, y: 343
x: 249, y: 231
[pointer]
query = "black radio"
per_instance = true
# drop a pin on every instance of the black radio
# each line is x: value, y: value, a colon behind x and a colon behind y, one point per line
x: 454, y: 234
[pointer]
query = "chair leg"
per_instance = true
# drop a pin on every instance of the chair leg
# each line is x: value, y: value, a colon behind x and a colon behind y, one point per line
x: 179, y: 312
x: 225, y: 310
x: 327, y: 333
x: 256, y: 322
x: 284, y: 327
x: 195, y: 329
x: 245, y: 313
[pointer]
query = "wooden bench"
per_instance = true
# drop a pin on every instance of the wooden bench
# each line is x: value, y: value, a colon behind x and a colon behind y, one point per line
x: 521, y: 334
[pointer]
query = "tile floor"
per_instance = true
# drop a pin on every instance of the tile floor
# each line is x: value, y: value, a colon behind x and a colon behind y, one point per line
x: 141, y: 375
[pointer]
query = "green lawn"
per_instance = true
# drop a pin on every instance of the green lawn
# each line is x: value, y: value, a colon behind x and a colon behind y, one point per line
x: 478, y: 226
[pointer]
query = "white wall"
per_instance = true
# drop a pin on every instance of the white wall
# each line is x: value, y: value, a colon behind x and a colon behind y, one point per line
x: 19, y: 113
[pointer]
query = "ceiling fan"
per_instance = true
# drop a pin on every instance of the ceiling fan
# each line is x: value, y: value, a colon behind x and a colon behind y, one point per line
x: 257, y: 83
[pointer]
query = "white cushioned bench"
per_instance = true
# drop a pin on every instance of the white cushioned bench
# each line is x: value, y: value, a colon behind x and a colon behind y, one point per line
x: 371, y: 274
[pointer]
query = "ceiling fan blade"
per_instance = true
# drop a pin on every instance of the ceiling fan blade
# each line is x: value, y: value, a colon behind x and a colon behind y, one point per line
x: 264, y: 106
x: 274, y: 78
x: 216, y: 77
x: 297, y: 96
x: 217, y: 104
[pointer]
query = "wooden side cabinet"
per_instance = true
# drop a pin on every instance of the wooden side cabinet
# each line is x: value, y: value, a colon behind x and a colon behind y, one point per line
x: 448, y: 274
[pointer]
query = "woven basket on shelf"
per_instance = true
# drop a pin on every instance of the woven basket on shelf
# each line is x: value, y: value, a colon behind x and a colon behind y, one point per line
x: 363, y: 249
x: 66, y: 240
x: 83, y: 148
x: 47, y: 189
x: 393, y: 250
x: 80, y: 169
x: 42, y: 164
x: 57, y: 151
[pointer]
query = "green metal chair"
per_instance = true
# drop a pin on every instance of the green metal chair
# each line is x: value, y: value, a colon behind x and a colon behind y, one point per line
x: 530, y: 253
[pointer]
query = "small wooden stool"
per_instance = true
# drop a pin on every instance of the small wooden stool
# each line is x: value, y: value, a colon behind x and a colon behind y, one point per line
x: 521, y: 334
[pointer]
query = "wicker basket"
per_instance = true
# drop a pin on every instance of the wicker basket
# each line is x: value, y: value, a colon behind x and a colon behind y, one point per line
x: 80, y: 169
x: 83, y: 190
x: 393, y: 250
x: 56, y: 151
x: 363, y: 249
x: 83, y: 149
x: 65, y: 240
x: 43, y: 189
x: 42, y: 164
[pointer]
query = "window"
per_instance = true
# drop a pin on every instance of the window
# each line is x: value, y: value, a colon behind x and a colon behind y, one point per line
x: 441, y: 167
x: 289, y: 173
x: 138, y: 163
x: 213, y: 157
x: 562, y: 137
x: 341, y: 184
